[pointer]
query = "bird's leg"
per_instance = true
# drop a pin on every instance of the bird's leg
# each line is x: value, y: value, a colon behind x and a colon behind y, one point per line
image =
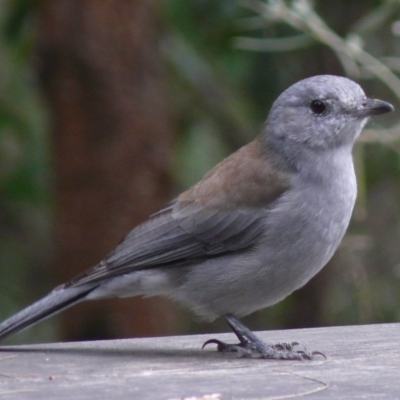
x: 251, y: 346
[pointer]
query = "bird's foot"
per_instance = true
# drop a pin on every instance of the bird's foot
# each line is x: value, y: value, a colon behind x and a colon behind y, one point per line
x: 279, y: 351
x: 250, y: 346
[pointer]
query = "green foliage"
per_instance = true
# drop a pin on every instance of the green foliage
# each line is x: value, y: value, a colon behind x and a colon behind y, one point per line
x: 24, y: 163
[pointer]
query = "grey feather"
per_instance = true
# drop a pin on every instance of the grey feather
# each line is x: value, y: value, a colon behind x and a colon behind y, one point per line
x: 257, y: 227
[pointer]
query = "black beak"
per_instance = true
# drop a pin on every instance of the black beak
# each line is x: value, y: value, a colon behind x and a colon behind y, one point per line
x: 370, y: 107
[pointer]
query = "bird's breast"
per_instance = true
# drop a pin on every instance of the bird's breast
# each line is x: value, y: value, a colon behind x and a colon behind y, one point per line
x: 309, y: 222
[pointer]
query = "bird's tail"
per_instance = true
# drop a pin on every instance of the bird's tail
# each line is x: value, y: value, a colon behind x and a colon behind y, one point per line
x: 57, y: 300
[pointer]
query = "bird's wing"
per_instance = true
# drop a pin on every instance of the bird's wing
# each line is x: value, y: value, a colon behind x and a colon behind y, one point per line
x: 224, y: 212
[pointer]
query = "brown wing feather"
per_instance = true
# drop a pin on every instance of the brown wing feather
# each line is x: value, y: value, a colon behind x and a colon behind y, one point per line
x: 223, y: 212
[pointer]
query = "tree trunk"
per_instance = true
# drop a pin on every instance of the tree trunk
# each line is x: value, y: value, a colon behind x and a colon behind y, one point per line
x: 102, y: 74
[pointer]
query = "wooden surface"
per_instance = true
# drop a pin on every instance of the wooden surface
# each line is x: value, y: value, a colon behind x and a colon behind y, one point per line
x: 363, y: 362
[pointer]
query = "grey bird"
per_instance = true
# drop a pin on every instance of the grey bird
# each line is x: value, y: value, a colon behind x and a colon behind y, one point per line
x: 257, y: 227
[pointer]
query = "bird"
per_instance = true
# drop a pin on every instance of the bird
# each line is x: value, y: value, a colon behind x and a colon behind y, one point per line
x: 255, y: 228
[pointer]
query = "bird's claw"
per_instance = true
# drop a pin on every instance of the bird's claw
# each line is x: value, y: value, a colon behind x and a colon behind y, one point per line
x: 221, y: 346
x: 251, y: 346
x: 278, y: 351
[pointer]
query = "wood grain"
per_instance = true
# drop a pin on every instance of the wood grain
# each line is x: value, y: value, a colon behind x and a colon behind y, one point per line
x: 362, y: 362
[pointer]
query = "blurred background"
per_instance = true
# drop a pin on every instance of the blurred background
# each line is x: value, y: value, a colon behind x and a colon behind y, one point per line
x: 109, y: 109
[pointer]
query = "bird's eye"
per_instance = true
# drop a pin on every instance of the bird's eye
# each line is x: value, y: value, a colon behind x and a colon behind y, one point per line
x: 317, y: 107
